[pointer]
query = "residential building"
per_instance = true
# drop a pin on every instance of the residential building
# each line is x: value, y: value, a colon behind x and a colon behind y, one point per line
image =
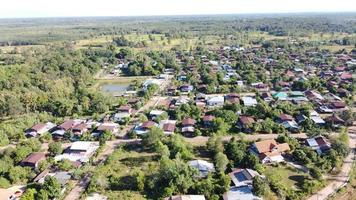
x: 269, y: 151
x: 33, y: 160
x: 204, y: 167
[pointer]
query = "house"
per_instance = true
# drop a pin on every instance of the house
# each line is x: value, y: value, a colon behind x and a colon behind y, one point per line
x: 292, y: 126
x: 249, y: 101
x: 186, y: 88
x: 125, y: 108
x: 111, y: 127
x: 314, y: 116
x: 39, y: 129
x: 188, y: 126
x: 155, y: 113
x: 346, y: 76
x: 79, y: 129
x: 240, y: 193
x: 208, y: 120
x: 325, y: 109
x: 267, y: 97
x: 245, y: 123
x: 343, y: 92
x: 63, y: 128
x: 285, y: 117
x: 149, y: 82
x: 33, y: 160
x: 171, y: 90
x: 144, y: 127
x: 121, y: 116
x: 242, y: 177
x: 202, y: 166
x: 269, y: 151
x: 280, y: 95
x: 186, y: 197
x: 300, y: 118
x: 79, y: 151
x: 123, y: 113
x: 215, y: 101
x: 313, y: 95
x: 338, y: 105
x: 232, y: 98
x: 319, y: 144
x: 168, y: 126
x: 335, y: 121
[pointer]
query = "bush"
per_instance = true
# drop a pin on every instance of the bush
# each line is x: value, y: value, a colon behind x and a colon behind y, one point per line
x: 4, y: 183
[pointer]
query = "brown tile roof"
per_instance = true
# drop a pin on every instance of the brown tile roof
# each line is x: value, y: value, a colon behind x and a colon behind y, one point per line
x: 338, y: 104
x: 265, y: 145
x: 246, y: 120
x: 67, y: 124
x: 80, y: 127
x: 335, y: 119
x: 208, y: 118
x: 286, y: 117
x: 124, y: 108
x: 169, y: 127
x: 148, y: 124
x: 188, y: 122
x: 38, y: 127
x: 33, y: 158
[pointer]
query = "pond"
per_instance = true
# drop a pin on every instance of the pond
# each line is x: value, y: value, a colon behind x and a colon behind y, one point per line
x: 114, y: 88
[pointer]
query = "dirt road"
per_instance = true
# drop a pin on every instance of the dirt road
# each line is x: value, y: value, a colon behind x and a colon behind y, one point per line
x: 342, y: 178
x: 202, y: 140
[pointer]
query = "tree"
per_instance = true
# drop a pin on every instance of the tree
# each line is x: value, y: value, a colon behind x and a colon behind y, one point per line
x: 52, y: 186
x: 105, y: 136
x: 260, y: 186
x: 152, y: 137
x: 64, y: 165
x: 221, y: 162
x: 162, y: 149
x: 220, y: 126
x: 29, y: 194
x: 55, y: 148
x: 19, y: 174
x: 315, y: 173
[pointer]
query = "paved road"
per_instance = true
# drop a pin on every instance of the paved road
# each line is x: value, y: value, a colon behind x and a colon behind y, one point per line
x: 342, y: 178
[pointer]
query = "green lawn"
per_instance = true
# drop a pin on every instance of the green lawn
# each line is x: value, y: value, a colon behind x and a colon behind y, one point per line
x: 289, y: 176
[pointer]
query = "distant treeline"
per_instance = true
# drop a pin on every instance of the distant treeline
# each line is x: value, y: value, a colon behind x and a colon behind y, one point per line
x: 18, y: 43
x: 60, y: 29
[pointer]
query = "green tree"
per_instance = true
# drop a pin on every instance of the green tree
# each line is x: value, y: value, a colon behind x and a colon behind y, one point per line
x: 260, y: 186
x: 29, y: 194
x: 55, y: 148
x: 52, y: 186
x: 221, y: 162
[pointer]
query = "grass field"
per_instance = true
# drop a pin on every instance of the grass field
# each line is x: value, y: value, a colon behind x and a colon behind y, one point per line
x: 290, y: 177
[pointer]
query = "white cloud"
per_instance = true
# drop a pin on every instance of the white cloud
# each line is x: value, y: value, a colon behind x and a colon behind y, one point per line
x: 53, y: 8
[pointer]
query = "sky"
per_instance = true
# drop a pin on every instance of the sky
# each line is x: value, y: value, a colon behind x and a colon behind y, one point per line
x: 76, y: 8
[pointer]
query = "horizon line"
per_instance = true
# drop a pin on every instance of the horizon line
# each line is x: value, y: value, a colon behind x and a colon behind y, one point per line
x: 184, y: 15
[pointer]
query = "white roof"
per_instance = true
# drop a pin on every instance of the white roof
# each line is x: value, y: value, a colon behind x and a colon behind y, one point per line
x: 121, y: 115
x: 249, y: 101
x: 216, y: 99
x: 203, y: 166
x: 240, y: 193
x: 317, y: 120
x: 312, y: 142
x: 314, y: 113
x: 82, y: 145
x: 156, y: 112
